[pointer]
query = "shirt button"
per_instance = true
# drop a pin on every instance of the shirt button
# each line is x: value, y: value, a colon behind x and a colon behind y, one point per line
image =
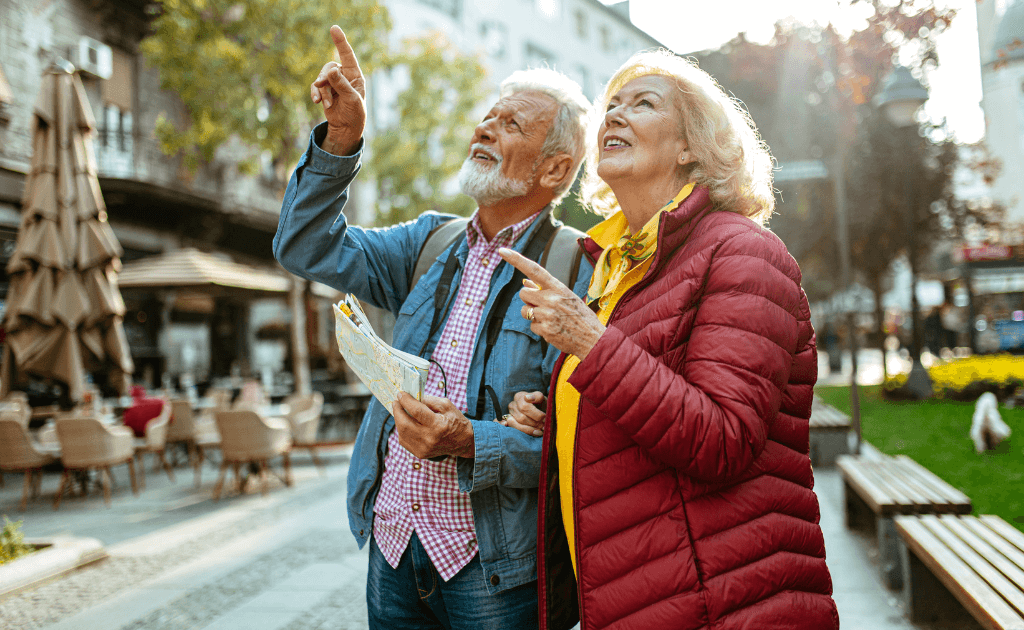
x: 415, y: 507
x: 468, y: 301
x: 455, y: 342
x: 417, y: 466
x: 484, y: 262
x: 494, y: 580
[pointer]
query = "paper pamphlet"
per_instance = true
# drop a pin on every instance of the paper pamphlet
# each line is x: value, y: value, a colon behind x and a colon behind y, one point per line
x: 383, y: 369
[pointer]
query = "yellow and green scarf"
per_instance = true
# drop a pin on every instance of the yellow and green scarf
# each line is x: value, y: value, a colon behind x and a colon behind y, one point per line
x: 629, y: 250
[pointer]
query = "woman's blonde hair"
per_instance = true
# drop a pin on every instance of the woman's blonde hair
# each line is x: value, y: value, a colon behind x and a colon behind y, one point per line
x: 730, y: 159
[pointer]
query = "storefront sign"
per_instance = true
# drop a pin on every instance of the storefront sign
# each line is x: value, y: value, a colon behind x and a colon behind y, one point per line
x: 1011, y: 333
x: 985, y: 252
x: 1002, y: 280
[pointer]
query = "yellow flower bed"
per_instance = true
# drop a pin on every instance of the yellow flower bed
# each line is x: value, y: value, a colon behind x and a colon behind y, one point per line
x: 969, y: 377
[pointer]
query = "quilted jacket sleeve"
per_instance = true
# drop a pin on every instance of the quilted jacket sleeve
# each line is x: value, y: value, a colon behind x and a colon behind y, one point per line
x: 707, y: 413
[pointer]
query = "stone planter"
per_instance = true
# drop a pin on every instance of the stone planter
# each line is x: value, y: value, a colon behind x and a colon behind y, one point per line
x: 54, y: 557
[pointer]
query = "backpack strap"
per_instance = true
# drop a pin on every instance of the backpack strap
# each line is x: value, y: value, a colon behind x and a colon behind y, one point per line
x: 563, y: 254
x: 439, y: 239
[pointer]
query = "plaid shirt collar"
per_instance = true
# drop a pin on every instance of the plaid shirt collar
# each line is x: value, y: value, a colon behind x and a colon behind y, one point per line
x: 504, y: 238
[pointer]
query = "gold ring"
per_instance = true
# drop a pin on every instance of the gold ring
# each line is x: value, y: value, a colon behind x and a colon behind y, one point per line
x: 529, y: 313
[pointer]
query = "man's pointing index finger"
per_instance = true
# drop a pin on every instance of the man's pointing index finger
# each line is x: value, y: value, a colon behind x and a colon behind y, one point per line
x: 346, y: 56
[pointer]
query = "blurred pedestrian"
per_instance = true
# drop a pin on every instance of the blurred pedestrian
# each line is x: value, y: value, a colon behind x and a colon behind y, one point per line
x: 830, y: 335
x: 676, y: 487
x: 451, y: 501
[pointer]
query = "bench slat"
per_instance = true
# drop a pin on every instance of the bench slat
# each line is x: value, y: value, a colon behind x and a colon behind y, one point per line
x: 978, y: 526
x: 825, y: 415
x: 1004, y: 529
x: 925, y: 493
x: 1011, y: 571
x: 951, y: 494
x: 936, y: 500
x: 969, y: 589
x: 876, y: 498
x: 996, y: 580
x: 905, y: 497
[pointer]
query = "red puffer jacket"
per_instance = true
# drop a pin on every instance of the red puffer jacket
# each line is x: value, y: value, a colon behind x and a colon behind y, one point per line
x: 693, y: 499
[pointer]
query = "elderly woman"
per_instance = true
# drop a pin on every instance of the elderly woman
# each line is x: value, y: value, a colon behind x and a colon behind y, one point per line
x: 676, y: 483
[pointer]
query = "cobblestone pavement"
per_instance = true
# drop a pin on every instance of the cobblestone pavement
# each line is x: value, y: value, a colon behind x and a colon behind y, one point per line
x: 255, y: 563
x: 288, y: 562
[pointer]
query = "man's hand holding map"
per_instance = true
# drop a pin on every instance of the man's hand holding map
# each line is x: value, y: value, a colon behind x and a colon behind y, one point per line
x: 383, y: 369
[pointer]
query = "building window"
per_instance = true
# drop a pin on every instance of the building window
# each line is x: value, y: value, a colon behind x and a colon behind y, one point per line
x: 495, y: 37
x: 448, y: 7
x: 6, y: 98
x: 537, y: 57
x: 581, y: 75
x: 115, y: 145
x: 605, y: 36
x: 580, y: 19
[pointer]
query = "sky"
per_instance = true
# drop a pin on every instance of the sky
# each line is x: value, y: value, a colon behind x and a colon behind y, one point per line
x: 955, y: 87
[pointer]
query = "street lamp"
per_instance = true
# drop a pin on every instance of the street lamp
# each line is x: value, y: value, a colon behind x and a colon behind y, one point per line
x: 901, y: 96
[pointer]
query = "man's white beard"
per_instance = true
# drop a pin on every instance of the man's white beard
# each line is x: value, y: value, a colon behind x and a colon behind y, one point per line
x: 488, y: 185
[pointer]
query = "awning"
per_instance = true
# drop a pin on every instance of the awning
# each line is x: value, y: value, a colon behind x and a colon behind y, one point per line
x: 192, y: 269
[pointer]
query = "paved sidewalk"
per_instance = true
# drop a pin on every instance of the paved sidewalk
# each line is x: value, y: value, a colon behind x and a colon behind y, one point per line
x: 288, y: 562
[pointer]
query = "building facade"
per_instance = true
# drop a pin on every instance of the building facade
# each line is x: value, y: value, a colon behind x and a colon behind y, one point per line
x: 1001, y: 42
x: 154, y: 204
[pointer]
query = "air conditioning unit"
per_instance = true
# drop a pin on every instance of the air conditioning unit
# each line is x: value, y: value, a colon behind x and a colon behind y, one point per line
x: 95, y: 58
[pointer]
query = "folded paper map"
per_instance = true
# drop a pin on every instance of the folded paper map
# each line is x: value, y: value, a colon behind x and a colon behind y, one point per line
x: 383, y: 369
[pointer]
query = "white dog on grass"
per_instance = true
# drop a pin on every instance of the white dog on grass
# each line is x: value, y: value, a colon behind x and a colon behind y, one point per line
x: 988, y: 429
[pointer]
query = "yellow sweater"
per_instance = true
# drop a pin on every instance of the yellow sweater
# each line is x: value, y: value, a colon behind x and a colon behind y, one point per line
x: 617, y: 270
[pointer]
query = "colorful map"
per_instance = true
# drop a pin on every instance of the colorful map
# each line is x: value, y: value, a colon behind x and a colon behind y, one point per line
x: 383, y: 369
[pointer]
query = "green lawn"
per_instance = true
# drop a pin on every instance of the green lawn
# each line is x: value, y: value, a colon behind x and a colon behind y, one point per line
x: 937, y: 434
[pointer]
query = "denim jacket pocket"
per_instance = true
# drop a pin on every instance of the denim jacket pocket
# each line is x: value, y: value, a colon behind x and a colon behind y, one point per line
x: 517, y: 358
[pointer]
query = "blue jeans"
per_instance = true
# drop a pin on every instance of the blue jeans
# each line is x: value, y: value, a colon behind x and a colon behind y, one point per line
x: 414, y: 597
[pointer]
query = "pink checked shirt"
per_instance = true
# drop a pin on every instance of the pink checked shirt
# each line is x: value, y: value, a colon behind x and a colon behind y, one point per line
x: 423, y: 495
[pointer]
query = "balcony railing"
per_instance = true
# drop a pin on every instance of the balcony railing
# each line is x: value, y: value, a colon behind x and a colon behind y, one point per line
x: 130, y: 157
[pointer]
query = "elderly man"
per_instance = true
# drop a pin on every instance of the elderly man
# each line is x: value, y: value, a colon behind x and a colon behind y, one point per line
x: 448, y: 494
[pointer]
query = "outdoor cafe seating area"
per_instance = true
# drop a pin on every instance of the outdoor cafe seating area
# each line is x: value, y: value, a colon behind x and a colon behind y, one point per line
x: 235, y: 428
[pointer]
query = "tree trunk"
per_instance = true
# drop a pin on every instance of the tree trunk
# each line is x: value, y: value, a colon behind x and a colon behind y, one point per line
x: 876, y: 289
x: 300, y: 349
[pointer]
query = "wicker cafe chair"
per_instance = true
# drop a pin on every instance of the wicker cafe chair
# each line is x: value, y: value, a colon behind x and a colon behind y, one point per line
x: 16, y: 410
x: 248, y: 438
x: 155, y: 442
x: 304, y: 412
x: 88, y: 444
x: 18, y: 454
x: 196, y: 434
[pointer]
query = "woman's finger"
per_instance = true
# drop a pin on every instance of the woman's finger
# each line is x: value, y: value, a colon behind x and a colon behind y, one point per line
x: 521, y: 416
x: 530, y: 269
x: 532, y: 404
x: 511, y: 421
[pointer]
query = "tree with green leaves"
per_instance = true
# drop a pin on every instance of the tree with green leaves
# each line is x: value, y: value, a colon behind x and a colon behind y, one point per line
x: 243, y: 70
x: 810, y: 92
x: 423, y: 150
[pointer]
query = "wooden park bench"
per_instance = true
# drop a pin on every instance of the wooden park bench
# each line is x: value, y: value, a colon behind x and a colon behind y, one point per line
x: 829, y: 433
x: 979, y: 561
x: 878, y: 489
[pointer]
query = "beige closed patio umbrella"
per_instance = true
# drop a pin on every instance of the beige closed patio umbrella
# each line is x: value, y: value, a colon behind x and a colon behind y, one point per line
x: 64, y: 310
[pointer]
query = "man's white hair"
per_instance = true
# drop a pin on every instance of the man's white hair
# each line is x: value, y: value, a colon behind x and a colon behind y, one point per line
x: 572, y: 124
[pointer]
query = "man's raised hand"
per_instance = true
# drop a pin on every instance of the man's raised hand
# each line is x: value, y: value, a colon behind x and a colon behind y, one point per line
x: 341, y: 89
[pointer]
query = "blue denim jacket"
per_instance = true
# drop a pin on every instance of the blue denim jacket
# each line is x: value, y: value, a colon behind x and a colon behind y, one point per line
x: 315, y: 242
